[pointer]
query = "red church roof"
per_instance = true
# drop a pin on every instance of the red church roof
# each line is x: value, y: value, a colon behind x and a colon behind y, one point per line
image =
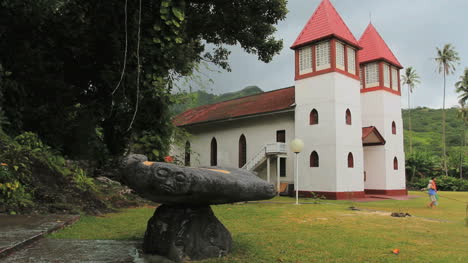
x: 325, y: 22
x: 375, y: 48
x: 266, y: 102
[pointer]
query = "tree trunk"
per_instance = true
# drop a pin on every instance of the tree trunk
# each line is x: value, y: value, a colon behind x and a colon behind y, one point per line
x: 443, y: 131
x: 409, y: 122
x: 462, y: 157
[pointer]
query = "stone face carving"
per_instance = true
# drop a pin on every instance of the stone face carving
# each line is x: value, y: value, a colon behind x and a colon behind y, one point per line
x: 184, y: 227
x: 171, y: 184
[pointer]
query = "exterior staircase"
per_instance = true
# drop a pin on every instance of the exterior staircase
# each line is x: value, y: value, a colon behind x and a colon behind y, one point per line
x: 260, y: 157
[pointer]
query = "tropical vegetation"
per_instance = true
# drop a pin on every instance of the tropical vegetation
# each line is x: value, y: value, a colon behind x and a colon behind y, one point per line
x: 446, y: 59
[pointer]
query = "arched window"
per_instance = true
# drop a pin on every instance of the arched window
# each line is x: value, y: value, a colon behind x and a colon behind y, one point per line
x: 393, y: 128
x: 314, y: 159
x: 314, y: 118
x: 214, y: 152
x: 348, y: 117
x: 350, y: 160
x: 395, y: 163
x: 242, y: 151
x: 187, y: 153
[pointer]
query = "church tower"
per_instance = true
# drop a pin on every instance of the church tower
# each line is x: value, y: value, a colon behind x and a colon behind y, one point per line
x: 381, y: 107
x: 328, y: 106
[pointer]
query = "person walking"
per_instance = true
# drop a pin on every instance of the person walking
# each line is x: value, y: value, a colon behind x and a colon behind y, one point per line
x: 432, y: 191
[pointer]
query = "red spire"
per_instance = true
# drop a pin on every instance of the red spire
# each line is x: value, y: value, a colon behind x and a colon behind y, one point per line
x: 375, y: 48
x: 325, y: 22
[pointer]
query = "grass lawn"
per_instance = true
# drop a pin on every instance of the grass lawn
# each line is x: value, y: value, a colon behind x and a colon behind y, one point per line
x: 326, y: 232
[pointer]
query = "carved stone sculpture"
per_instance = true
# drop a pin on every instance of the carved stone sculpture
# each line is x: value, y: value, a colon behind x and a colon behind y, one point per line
x: 184, y: 226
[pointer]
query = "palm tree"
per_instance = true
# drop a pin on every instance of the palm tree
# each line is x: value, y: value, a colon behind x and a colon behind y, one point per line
x: 410, y: 78
x: 462, y: 88
x: 446, y: 59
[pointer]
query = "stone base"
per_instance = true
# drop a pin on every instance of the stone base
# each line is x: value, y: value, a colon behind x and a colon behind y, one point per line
x: 183, y: 233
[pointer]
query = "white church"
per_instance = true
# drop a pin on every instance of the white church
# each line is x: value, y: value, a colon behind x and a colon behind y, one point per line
x: 345, y: 107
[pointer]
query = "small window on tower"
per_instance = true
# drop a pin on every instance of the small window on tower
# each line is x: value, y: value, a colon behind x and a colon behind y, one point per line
x: 395, y: 163
x: 386, y: 74
x: 314, y: 118
x: 351, y: 60
x: 314, y: 159
x: 340, y: 57
x: 348, y: 117
x: 323, y: 55
x: 393, y: 128
x: 305, y: 60
x: 350, y: 160
x: 372, y: 75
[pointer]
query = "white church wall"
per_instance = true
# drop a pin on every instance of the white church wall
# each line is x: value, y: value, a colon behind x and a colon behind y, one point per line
x: 348, y: 137
x: 330, y: 94
x: 258, y: 131
x: 380, y: 109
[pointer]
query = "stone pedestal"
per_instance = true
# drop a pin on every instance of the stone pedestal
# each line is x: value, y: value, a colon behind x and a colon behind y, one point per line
x: 186, y: 232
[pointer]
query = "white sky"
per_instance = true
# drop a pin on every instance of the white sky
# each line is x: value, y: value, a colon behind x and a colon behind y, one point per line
x: 411, y: 28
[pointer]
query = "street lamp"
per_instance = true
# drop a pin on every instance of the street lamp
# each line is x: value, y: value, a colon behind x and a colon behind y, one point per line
x: 296, y: 146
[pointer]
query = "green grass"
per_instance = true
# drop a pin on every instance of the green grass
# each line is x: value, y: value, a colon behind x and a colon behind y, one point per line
x: 326, y: 232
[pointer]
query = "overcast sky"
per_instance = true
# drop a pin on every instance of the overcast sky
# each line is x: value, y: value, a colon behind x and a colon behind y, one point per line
x: 411, y: 28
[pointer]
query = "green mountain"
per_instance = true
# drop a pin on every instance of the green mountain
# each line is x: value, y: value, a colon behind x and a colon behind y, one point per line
x: 201, y: 97
x: 427, y: 129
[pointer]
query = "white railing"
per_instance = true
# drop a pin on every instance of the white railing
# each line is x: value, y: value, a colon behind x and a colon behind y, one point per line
x: 260, y: 156
x: 278, y: 147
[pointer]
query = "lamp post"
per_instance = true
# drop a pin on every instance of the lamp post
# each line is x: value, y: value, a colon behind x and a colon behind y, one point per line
x: 296, y: 146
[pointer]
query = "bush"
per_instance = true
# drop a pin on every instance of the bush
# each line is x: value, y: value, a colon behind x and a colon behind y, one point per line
x: 12, y: 193
x: 444, y: 183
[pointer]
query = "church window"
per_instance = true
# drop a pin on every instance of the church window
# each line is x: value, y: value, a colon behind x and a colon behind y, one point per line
x: 314, y: 118
x: 242, y: 151
x: 395, y: 163
x: 187, y: 153
x: 348, y: 117
x: 323, y: 55
x: 314, y: 159
x: 351, y: 60
x: 395, y: 79
x: 350, y: 160
x: 340, y: 57
x: 386, y: 73
x: 305, y: 60
x: 281, y: 136
x: 393, y: 128
x: 214, y: 152
x: 372, y: 75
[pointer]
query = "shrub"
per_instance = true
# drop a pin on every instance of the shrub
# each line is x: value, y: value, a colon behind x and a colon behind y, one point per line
x: 12, y: 193
x: 444, y: 183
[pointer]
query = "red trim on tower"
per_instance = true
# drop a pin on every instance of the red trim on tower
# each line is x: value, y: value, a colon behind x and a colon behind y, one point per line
x: 390, y: 76
x: 345, y: 58
x: 296, y: 62
x: 399, y: 81
x: 381, y: 75
x: 363, y: 80
x: 333, y: 53
x: 381, y: 88
x: 396, y: 192
x: 314, y: 58
x: 334, y: 195
x: 324, y: 71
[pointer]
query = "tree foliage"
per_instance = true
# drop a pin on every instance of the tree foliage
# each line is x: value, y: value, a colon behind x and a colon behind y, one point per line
x: 74, y: 64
